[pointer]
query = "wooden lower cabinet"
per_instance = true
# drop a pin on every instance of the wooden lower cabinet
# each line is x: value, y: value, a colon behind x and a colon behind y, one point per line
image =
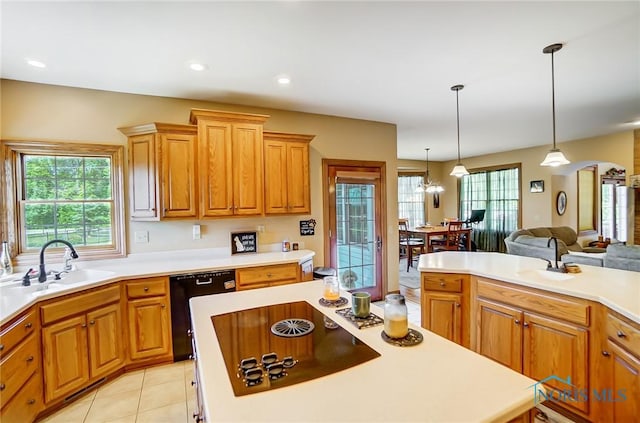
x: 442, y: 314
x: 444, y: 301
x: 20, y: 371
x: 81, y: 349
x: 493, y: 319
x: 265, y: 276
x: 149, y: 319
x: 536, y: 342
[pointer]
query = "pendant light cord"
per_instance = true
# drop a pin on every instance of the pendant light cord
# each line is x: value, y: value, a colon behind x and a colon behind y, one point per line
x: 458, y: 123
x: 553, y: 100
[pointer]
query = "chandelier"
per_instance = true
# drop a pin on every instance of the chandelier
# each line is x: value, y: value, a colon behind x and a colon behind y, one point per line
x: 429, y: 186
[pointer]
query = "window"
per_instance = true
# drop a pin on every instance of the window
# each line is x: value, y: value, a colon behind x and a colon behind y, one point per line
x: 65, y: 191
x: 497, y: 191
x: 614, y: 210
x: 410, y: 202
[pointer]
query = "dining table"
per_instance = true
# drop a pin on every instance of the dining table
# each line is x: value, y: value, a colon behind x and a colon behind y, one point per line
x: 437, y: 231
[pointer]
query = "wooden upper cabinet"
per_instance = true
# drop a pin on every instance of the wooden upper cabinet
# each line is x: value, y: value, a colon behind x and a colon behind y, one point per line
x: 162, y: 171
x: 230, y: 160
x: 286, y: 172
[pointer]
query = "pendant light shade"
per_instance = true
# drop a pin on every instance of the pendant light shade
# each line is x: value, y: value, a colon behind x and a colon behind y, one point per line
x: 429, y: 186
x: 554, y: 156
x: 458, y: 170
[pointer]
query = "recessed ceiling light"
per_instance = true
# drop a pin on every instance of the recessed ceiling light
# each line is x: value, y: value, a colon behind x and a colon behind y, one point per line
x: 284, y: 80
x: 36, y: 63
x: 198, y: 67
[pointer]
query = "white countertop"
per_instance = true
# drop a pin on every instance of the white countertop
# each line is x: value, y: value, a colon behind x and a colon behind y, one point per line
x: 435, y: 381
x: 616, y: 289
x: 14, y: 299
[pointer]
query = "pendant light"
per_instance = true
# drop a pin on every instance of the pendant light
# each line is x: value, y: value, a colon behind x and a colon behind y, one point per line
x: 429, y: 186
x: 458, y: 170
x: 554, y: 156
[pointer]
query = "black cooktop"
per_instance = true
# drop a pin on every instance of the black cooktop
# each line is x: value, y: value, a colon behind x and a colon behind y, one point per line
x: 257, y: 359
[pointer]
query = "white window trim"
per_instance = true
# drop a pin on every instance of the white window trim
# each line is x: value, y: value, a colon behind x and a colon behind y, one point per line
x: 11, y: 188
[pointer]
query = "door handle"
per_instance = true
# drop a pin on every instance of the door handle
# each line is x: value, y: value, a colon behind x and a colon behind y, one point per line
x: 379, y: 244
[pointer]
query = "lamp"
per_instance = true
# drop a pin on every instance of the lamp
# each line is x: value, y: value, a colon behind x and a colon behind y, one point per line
x: 429, y: 186
x: 554, y: 156
x: 458, y: 170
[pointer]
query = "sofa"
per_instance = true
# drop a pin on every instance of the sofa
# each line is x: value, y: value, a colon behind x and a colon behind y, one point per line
x: 532, y: 242
x: 625, y: 257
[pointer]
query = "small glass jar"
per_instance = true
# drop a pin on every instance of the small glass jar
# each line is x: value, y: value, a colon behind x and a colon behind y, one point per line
x: 331, y: 288
x: 396, y: 323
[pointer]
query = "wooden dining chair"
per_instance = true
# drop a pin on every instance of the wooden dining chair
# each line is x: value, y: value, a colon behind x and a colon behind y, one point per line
x: 452, y: 239
x: 411, y: 248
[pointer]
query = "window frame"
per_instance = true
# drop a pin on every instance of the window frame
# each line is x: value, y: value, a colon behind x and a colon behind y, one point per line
x: 12, y: 186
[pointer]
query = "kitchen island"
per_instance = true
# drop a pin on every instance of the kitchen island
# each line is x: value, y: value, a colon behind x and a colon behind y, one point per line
x: 436, y: 380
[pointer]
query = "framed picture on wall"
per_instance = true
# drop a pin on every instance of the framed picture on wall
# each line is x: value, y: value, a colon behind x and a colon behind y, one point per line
x: 561, y: 202
x: 536, y: 186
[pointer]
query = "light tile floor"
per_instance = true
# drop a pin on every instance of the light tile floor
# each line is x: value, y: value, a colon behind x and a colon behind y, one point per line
x: 155, y: 395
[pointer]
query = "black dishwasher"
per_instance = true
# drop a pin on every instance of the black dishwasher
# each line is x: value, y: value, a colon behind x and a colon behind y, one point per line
x: 187, y: 286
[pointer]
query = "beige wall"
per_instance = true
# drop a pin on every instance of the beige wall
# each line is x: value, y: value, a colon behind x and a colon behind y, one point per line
x: 46, y: 112
x: 538, y: 209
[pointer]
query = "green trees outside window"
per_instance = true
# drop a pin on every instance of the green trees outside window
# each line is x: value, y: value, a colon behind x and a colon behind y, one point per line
x: 67, y: 197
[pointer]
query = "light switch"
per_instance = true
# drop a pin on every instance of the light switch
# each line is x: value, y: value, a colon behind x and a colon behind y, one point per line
x: 196, y: 231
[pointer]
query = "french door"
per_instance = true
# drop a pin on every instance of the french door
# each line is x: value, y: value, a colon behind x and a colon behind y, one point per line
x: 354, y: 195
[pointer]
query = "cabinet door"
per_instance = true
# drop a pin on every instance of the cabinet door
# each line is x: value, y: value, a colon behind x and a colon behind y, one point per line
x: 143, y: 178
x: 298, y: 192
x: 624, y: 377
x: 275, y: 177
x: 106, y: 352
x: 149, y: 328
x: 442, y: 314
x: 179, y: 189
x: 555, y: 348
x: 247, y: 169
x: 214, y: 155
x: 66, y: 362
x: 499, y: 334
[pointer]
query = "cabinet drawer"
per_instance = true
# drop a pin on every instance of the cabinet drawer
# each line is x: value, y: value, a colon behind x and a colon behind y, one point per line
x: 624, y: 334
x: 26, y: 404
x: 554, y: 305
x: 18, y: 331
x: 17, y: 367
x: 59, y: 309
x: 442, y: 282
x: 151, y: 287
x: 268, y: 274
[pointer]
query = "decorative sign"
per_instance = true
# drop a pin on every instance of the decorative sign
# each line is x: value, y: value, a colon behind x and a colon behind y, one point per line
x: 308, y: 227
x: 244, y: 242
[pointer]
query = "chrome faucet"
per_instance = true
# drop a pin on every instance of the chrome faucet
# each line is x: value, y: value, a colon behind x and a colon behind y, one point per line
x: 555, y: 256
x: 42, y: 276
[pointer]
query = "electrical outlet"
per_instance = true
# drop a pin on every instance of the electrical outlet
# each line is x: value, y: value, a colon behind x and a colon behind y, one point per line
x: 261, y: 228
x: 141, y: 237
x: 196, y: 231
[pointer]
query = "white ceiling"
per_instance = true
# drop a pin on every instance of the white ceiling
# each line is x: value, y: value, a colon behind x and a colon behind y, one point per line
x: 385, y: 61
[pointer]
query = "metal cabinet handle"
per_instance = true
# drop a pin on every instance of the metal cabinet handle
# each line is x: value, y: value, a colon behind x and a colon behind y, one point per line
x: 162, y: 305
x: 29, y: 359
x: 146, y: 288
x: 621, y: 334
x: 84, y: 325
x: 28, y: 325
x: 269, y: 275
x: 93, y: 322
x: 442, y: 284
x: 196, y: 416
x: 457, y: 304
x: 517, y: 321
x: 2, y: 386
x: 525, y: 324
x: 189, y: 332
x: 606, y: 353
x: 1, y: 347
x: 31, y: 401
x: 193, y: 383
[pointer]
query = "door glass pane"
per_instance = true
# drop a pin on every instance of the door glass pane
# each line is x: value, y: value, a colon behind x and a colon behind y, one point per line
x: 355, y: 223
